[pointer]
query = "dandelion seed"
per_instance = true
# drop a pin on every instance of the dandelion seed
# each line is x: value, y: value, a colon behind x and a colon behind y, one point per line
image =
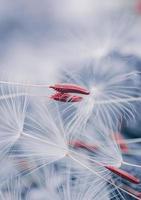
x: 13, y: 111
x: 117, y: 171
x: 81, y: 144
x: 123, y: 174
x: 69, y: 88
x: 66, y: 97
x: 113, y: 93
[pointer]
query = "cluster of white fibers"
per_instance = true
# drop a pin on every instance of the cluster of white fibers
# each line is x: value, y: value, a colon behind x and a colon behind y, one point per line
x: 37, y: 138
x: 114, y: 91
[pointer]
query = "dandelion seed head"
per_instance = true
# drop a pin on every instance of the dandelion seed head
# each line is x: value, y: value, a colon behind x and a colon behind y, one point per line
x: 113, y: 90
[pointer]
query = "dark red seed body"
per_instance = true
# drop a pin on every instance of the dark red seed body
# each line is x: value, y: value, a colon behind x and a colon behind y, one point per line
x: 80, y: 144
x: 120, y: 140
x: 123, y: 174
x: 65, y: 97
x: 70, y: 88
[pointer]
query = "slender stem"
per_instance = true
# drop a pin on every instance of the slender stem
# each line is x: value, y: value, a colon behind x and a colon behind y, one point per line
x: 130, y: 164
x: 3, y: 97
x: 116, y: 101
x: 24, y: 84
x: 41, y: 140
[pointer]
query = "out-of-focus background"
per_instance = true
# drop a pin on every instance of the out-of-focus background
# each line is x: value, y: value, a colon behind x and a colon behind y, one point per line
x: 37, y: 37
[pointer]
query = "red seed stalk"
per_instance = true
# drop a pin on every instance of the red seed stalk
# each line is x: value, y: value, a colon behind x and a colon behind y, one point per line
x: 65, y: 97
x: 70, y: 88
x: 80, y: 144
x: 62, y: 95
x: 120, y: 140
x: 123, y: 174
